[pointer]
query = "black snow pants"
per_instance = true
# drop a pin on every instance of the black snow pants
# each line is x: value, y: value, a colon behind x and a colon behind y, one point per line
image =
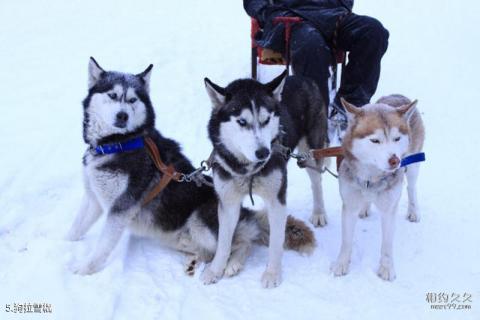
x: 363, y: 37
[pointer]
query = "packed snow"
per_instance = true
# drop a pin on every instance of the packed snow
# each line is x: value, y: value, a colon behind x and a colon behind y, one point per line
x: 43, y: 61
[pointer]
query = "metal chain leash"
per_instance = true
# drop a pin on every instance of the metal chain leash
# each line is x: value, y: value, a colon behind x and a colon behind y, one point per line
x: 197, y: 174
x: 301, y: 158
x: 199, y: 178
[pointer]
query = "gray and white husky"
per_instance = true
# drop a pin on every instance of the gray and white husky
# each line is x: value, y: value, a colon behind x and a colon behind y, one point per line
x: 117, y: 111
x: 247, y: 121
x: 377, y: 138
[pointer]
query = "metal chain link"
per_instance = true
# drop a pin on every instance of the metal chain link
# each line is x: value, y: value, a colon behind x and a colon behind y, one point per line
x: 301, y: 158
x: 197, y: 175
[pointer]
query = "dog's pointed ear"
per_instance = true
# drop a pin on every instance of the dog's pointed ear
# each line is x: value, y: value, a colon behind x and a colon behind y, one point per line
x: 145, y: 77
x: 275, y: 87
x: 95, y: 72
x: 351, y: 109
x: 408, y: 109
x: 216, y: 93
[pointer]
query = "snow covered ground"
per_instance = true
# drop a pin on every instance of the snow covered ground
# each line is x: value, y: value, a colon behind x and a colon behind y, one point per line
x: 44, y: 52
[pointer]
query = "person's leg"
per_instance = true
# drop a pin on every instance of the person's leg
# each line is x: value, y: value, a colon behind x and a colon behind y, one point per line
x: 311, y: 56
x: 366, y: 40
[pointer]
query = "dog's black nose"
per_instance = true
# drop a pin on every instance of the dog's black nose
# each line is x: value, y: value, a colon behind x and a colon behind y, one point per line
x: 262, y: 153
x: 122, y: 118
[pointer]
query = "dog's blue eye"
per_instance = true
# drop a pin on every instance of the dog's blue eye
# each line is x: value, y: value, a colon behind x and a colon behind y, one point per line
x: 132, y: 100
x: 264, y: 123
x: 397, y: 139
x: 113, y: 96
x: 375, y: 140
x: 242, y: 122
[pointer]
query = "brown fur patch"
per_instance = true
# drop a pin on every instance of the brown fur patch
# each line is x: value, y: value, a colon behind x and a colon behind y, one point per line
x: 371, y: 121
x: 298, y: 236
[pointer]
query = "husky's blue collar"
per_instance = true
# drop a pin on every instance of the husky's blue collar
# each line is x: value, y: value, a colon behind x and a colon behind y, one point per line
x: 416, y: 157
x: 119, y: 147
x: 385, y: 181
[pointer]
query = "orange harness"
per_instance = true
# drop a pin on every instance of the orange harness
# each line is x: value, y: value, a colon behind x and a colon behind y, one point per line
x: 169, y: 172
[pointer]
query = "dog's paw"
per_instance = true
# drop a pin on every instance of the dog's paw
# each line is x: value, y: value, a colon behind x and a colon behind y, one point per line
x: 386, y: 272
x: 318, y: 219
x: 271, y: 279
x: 413, y: 216
x: 87, y: 268
x: 191, y: 265
x: 233, y: 268
x: 209, y: 276
x: 364, y: 214
x: 340, y: 267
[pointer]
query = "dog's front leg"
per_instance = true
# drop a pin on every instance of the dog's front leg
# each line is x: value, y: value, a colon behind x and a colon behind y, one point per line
x: 386, y: 270
x: 388, y: 206
x: 88, y: 214
x: 228, y: 214
x: 119, y: 217
x: 353, y: 204
x: 111, y: 233
x: 277, y: 219
x: 413, y: 208
x: 349, y: 218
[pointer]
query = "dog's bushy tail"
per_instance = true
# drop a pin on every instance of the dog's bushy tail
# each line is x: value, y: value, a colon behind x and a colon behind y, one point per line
x: 298, y: 236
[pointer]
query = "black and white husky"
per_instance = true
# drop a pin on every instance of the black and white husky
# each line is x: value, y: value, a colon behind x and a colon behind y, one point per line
x: 118, y: 175
x: 247, y: 122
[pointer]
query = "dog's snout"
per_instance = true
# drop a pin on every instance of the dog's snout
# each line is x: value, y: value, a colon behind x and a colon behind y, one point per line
x: 122, y: 116
x: 262, y: 153
x: 393, y: 161
x: 121, y: 119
